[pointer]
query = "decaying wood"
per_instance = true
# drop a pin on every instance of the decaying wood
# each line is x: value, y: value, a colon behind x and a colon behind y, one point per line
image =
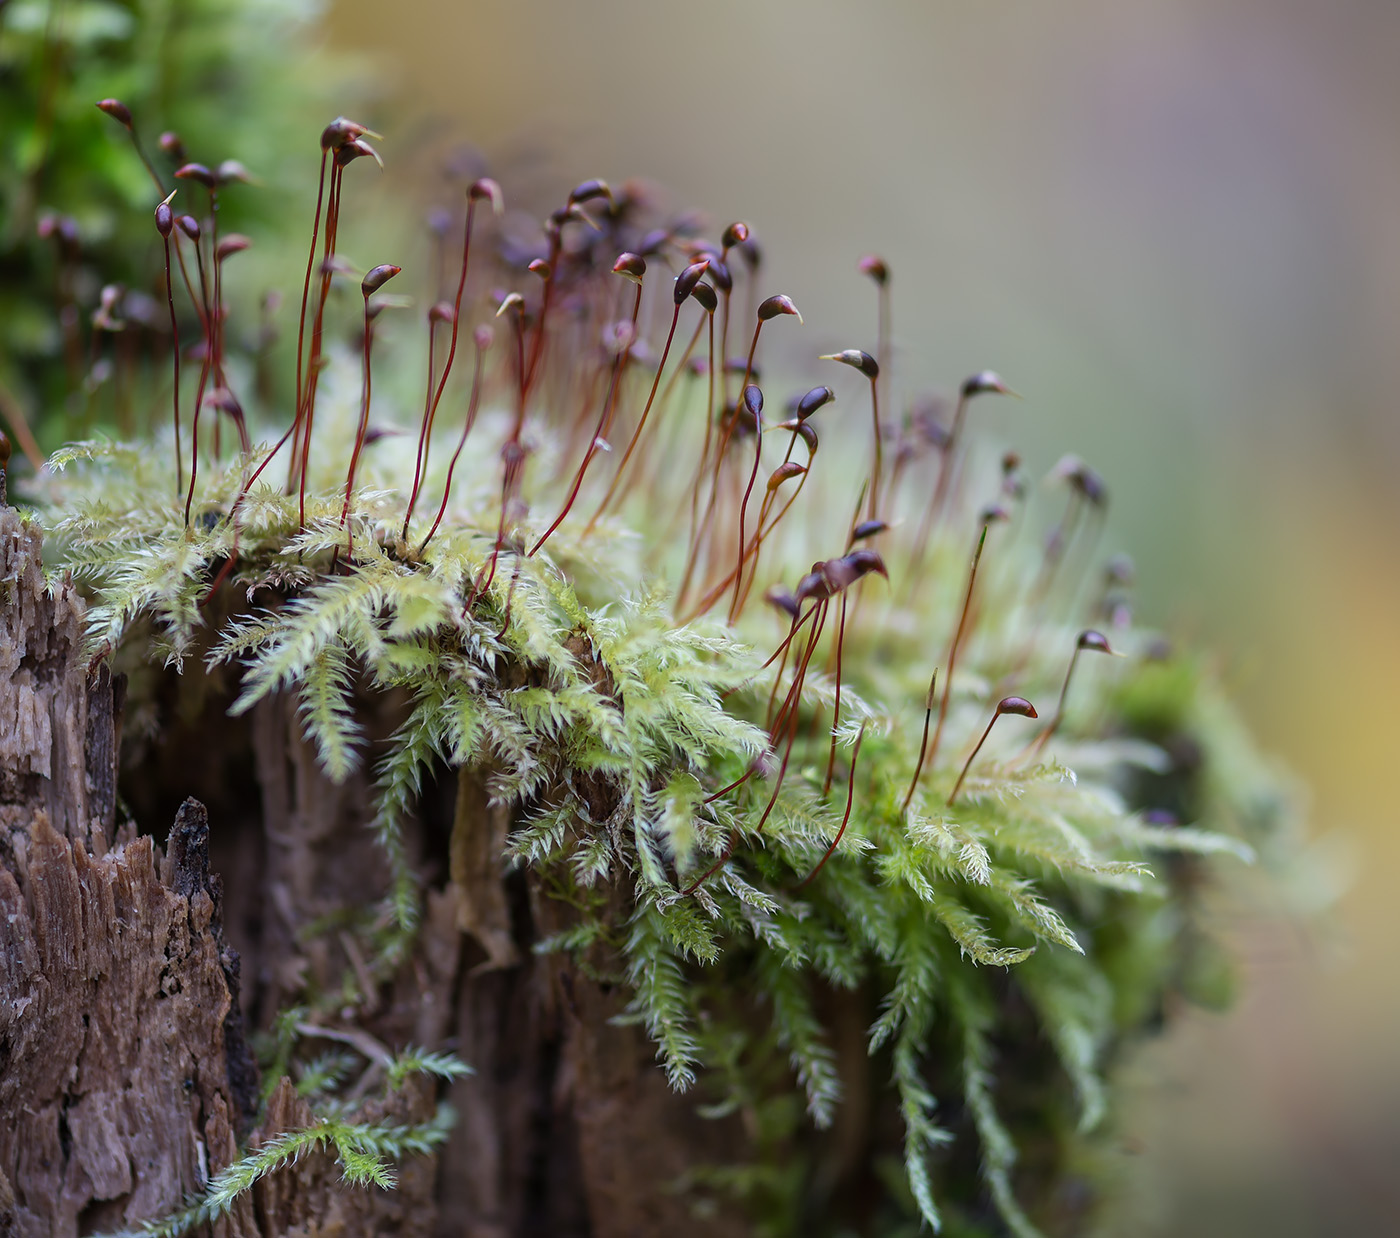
x: 125, y: 1075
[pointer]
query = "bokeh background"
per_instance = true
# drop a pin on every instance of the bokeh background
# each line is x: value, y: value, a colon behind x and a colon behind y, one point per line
x: 1174, y: 225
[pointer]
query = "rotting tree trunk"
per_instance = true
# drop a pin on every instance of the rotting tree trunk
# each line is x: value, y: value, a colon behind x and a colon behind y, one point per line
x: 125, y: 1076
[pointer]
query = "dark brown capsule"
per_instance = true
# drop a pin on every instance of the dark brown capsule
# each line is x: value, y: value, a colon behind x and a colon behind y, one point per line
x: 196, y: 172
x: 781, y: 596
x: 165, y: 219
x: 753, y: 402
x: 233, y: 243
x: 117, y: 110
x: 719, y: 272
x: 817, y: 398
x: 376, y: 277
x: 342, y: 130
x: 735, y: 234
x: 1016, y: 705
x: 1095, y: 641
x: 484, y: 188
x: 189, y: 225
x: 689, y: 279
x: 587, y: 191
x: 630, y: 266
x: 785, y: 472
x: 868, y: 528
x: 704, y: 297
x: 875, y: 268
x: 983, y: 382
x: 857, y: 360
x: 774, y: 306
x: 356, y: 149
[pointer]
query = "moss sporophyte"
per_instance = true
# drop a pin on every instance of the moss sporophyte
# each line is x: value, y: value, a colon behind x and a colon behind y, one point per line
x: 580, y: 625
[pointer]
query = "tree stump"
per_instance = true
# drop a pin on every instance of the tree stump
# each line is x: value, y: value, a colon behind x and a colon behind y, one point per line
x: 126, y: 1080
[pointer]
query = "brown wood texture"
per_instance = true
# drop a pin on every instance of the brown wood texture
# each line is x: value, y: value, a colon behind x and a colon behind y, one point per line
x: 125, y: 1076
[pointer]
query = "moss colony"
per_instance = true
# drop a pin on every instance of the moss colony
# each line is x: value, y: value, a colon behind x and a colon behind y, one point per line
x: 796, y: 717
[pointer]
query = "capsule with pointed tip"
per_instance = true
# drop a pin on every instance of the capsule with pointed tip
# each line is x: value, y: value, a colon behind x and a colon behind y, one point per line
x: 875, y: 268
x: 785, y: 472
x: 376, y: 277
x: 356, y: 149
x: 538, y: 266
x: 342, y: 130
x: 817, y: 398
x: 813, y: 587
x: 195, y: 172
x: 781, y: 597
x: 165, y: 219
x: 117, y: 110
x: 864, y: 561
x: 587, y: 191
x: 735, y: 234
x: 1016, y: 705
x: 719, y: 272
x: 512, y: 300
x: 630, y: 266
x: 868, y: 528
x: 857, y: 360
x: 689, y: 279
x: 704, y: 297
x: 1095, y: 641
x: 233, y: 243
x: 984, y: 382
x: 484, y: 188
x: 773, y: 306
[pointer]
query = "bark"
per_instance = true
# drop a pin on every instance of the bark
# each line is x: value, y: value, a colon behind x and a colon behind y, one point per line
x: 127, y: 971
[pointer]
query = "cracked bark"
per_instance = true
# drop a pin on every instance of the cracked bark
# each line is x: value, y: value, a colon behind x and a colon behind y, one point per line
x: 125, y: 1075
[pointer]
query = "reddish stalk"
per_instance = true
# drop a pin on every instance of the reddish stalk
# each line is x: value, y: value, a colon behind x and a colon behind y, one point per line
x: 923, y: 743
x: 1088, y: 639
x: 483, y: 339
x: 1007, y: 705
x: 845, y: 820
x: 307, y: 409
x: 483, y: 188
x: 165, y: 225
x: 438, y: 313
x: 301, y: 321
x: 979, y: 384
x: 685, y: 285
x: 836, y: 715
x: 957, y: 640
x: 605, y: 417
x: 870, y: 368
x: 372, y: 282
x: 753, y: 401
x: 692, y: 545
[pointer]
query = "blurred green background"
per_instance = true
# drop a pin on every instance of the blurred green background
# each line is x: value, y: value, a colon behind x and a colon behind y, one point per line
x: 1175, y: 226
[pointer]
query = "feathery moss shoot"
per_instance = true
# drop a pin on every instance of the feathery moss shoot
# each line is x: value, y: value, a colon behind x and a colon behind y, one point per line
x: 671, y: 716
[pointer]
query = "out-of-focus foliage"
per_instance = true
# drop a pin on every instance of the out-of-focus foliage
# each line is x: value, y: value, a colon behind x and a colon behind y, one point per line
x: 229, y: 76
